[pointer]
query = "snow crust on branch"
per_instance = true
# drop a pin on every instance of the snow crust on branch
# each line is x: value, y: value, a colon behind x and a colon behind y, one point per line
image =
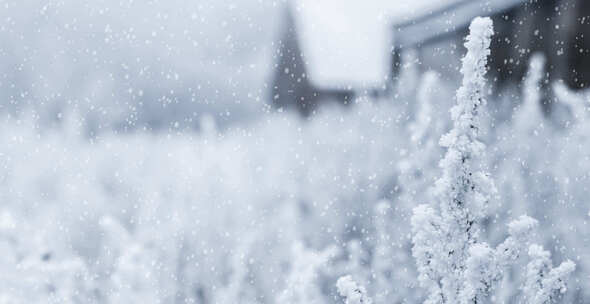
x: 441, y: 242
x: 421, y: 127
x: 454, y: 265
x: 519, y: 233
x: 529, y: 119
x: 354, y: 293
x: 301, y: 283
x: 545, y: 284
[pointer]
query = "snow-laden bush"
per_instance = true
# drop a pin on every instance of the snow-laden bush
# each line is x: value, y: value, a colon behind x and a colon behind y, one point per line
x: 542, y: 170
x: 196, y: 217
x: 447, y: 238
x: 352, y: 292
x: 302, y: 284
x: 545, y: 284
x: 455, y: 266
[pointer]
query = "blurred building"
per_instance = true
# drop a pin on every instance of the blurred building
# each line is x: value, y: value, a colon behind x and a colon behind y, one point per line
x: 291, y: 84
x: 333, y: 51
x: 330, y: 51
x: 557, y: 28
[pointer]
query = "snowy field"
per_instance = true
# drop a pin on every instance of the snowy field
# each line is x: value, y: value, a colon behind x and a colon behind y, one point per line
x: 443, y: 193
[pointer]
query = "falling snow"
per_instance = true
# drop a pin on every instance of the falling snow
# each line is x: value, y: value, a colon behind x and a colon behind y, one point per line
x: 294, y: 151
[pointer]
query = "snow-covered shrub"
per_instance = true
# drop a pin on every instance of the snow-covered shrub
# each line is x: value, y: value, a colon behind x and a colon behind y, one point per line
x: 302, y: 284
x: 578, y: 103
x: 442, y: 242
x: 545, y: 284
x: 425, y: 125
x: 525, y: 141
x: 418, y: 170
x: 216, y: 212
x: 392, y: 267
x: 569, y: 166
x: 35, y: 269
x: 455, y: 265
x: 541, y: 169
x: 407, y: 84
x: 529, y: 117
x: 383, y: 262
x: 352, y: 292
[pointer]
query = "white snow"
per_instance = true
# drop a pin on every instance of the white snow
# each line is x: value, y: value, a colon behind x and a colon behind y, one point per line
x: 344, y: 42
x: 348, y: 43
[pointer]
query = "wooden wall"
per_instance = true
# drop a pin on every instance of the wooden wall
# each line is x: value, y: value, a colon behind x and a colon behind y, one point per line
x: 559, y: 29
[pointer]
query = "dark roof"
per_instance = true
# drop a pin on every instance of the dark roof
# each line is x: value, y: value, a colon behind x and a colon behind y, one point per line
x: 445, y: 20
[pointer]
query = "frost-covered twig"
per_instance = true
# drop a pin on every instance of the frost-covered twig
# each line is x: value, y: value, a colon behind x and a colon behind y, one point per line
x: 481, y: 272
x: 427, y: 233
x: 454, y: 265
x: 519, y: 233
x: 383, y: 255
x: 462, y: 191
x: 577, y: 102
x: 545, y: 284
x: 529, y: 117
x: 422, y: 124
x: 354, y: 293
x: 485, y: 266
x: 234, y: 291
x: 301, y: 283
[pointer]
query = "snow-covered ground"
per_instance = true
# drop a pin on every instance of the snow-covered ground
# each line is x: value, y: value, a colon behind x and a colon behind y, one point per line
x: 276, y: 210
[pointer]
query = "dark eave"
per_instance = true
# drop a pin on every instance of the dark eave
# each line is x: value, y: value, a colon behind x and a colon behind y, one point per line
x: 444, y: 21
